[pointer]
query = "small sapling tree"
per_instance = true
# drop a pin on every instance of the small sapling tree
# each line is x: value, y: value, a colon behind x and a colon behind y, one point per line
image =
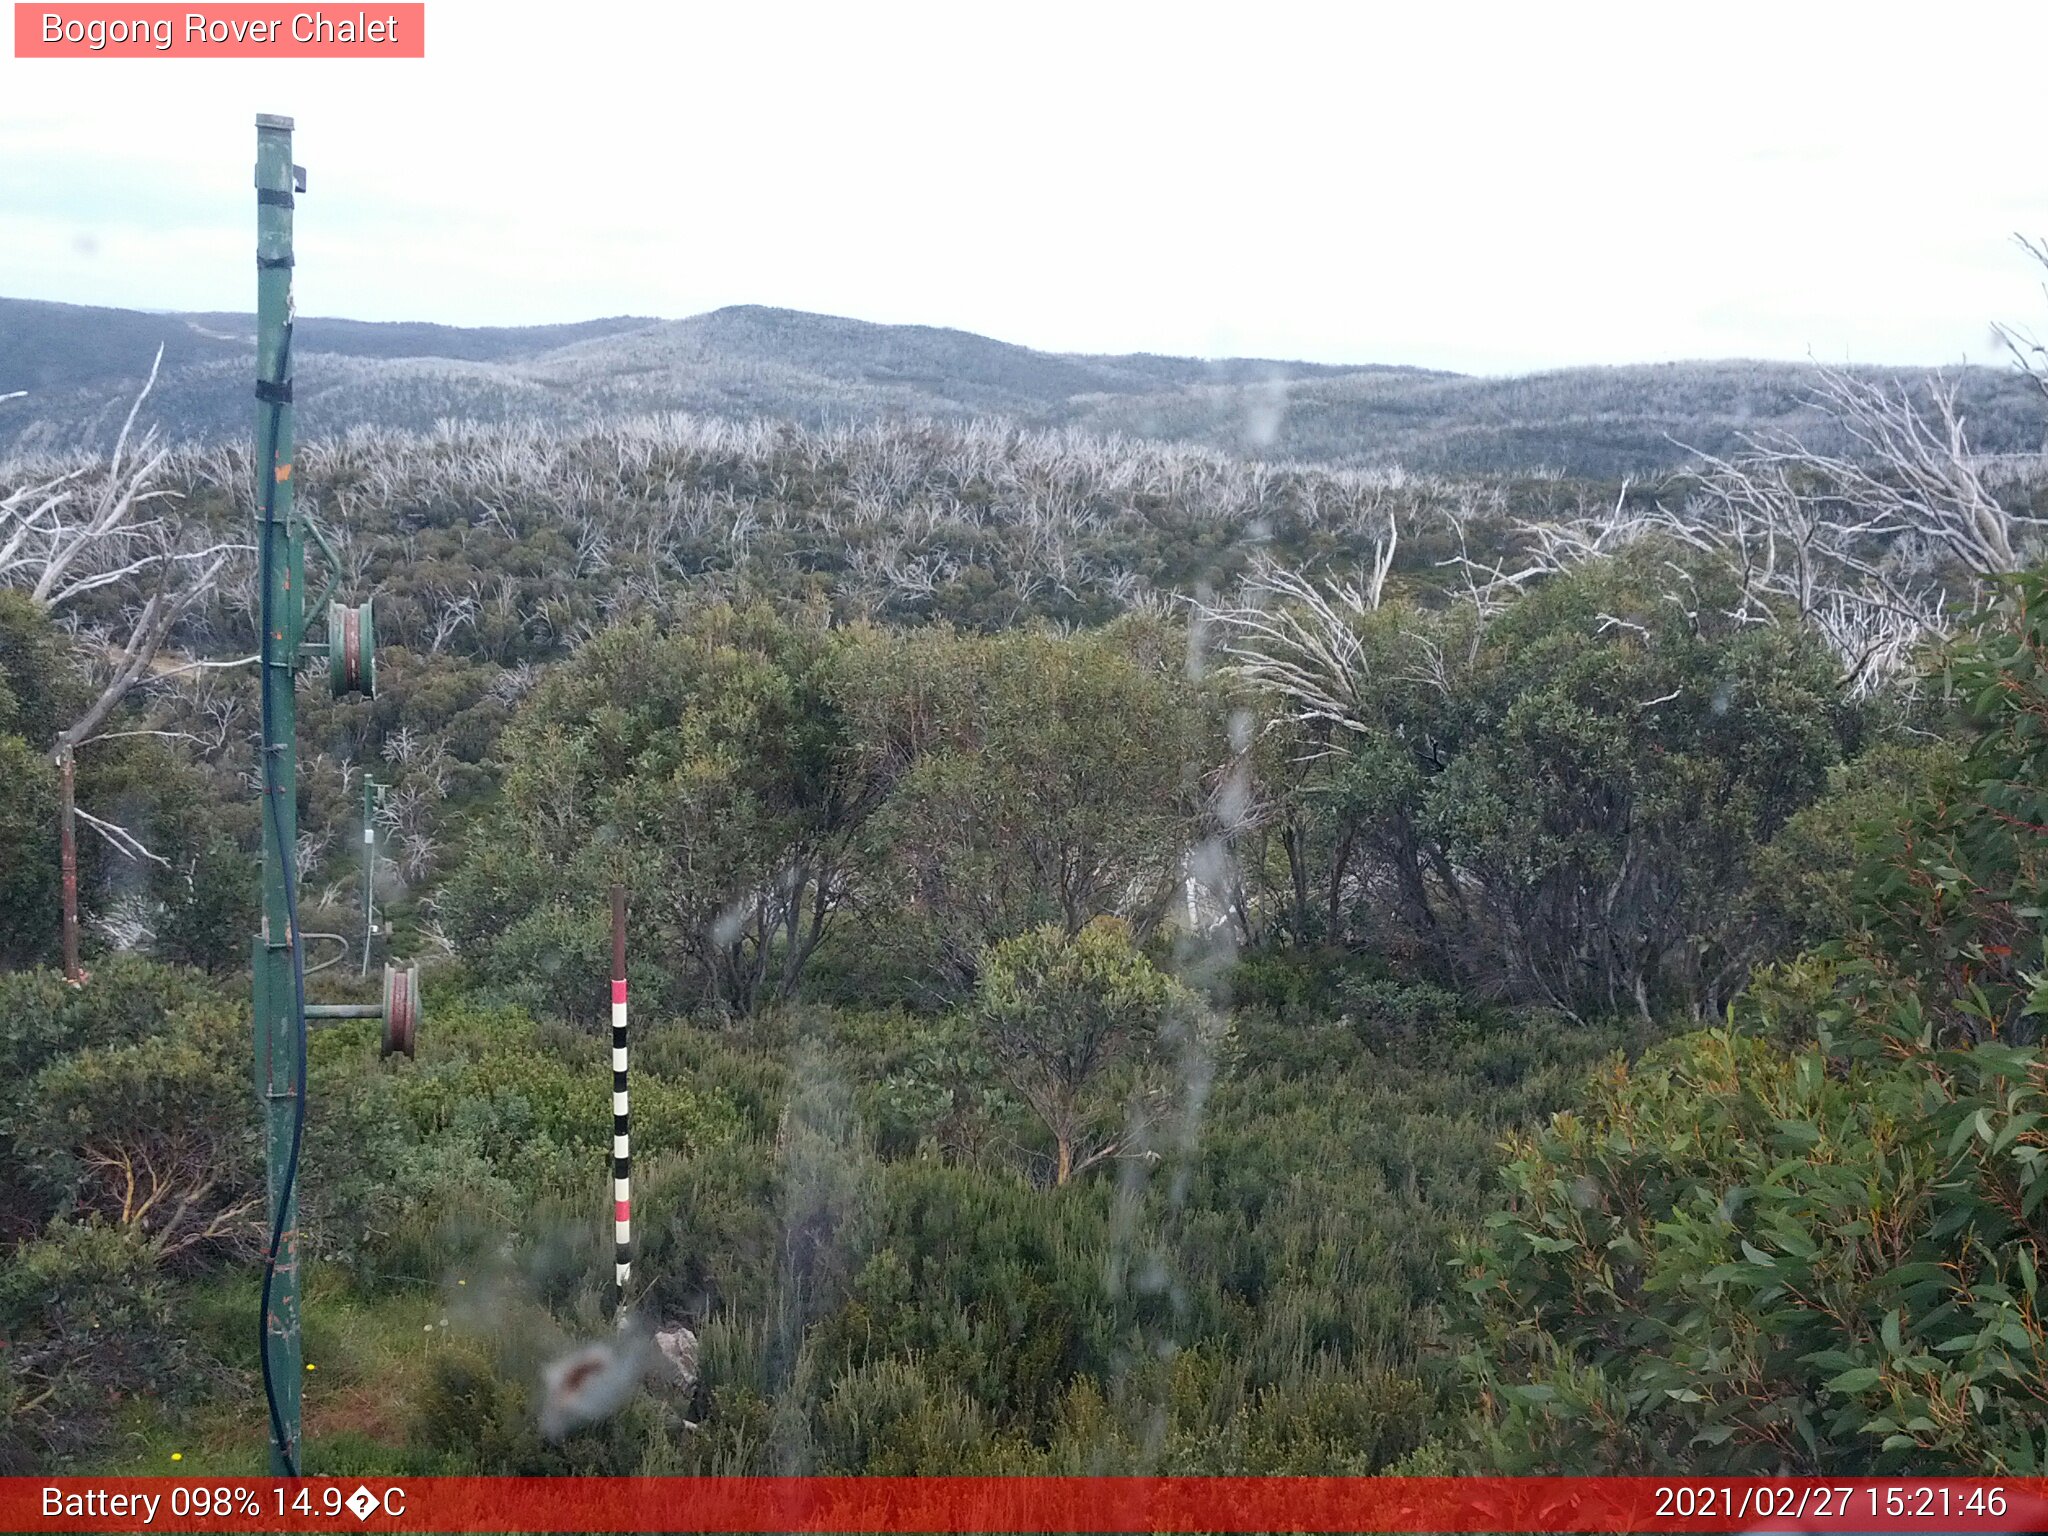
x: 1061, y: 1014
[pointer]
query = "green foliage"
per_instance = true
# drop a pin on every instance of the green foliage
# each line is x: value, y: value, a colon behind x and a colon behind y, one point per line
x: 29, y: 892
x: 896, y: 1418
x: 1955, y: 899
x: 1567, y: 804
x: 1059, y: 1013
x: 39, y: 686
x: 550, y: 958
x: 1007, y: 1304
x: 43, y: 1020
x: 40, y: 683
x: 700, y: 763
x: 1267, y: 1286
x: 89, y: 1323
x: 1812, y: 1248
x: 1741, y: 1258
x: 927, y: 1084
x: 1617, y: 787
x: 752, y: 776
x: 126, y: 1127
x: 1800, y: 874
x: 478, y: 1408
x: 128, y: 999
x: 928, y: 882
x: 157, y: 1135
x: 1032, y: 779
x: 434, y: 1160
x: 209, y: 908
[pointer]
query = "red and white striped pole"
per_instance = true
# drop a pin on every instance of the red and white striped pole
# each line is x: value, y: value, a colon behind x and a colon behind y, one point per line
x: 622, y: 1147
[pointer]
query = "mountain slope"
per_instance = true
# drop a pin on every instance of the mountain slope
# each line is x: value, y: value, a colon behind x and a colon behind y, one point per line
x: 81, y: 366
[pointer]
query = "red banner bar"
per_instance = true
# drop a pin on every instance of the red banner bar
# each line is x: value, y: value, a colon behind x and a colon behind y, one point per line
x: 1025, y: 1504
x: 374, y: 30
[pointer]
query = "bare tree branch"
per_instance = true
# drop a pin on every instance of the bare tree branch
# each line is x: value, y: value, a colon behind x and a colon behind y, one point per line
x: 121, y: 838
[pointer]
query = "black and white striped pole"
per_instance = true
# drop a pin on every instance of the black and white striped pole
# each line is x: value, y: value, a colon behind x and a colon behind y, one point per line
x: 622, y: 1144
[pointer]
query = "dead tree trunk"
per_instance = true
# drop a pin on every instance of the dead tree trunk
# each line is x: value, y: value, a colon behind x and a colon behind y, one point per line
x: 77, y: 533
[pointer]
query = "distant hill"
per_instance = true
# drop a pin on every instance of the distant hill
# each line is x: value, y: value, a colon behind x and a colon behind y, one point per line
x: 81, y: 366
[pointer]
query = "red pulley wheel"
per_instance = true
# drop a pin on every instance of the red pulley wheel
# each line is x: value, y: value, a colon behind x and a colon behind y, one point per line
x: 401, y: 1009
x: 351, y: 650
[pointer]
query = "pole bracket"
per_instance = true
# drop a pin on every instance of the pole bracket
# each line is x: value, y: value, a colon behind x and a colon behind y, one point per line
x: 312, y: 526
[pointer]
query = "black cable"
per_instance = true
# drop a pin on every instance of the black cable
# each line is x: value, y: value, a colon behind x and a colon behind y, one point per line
x: 271, y: 789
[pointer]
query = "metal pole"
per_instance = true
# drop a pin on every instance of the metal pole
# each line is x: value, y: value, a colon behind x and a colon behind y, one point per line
x: 279, y: 963
x: 622, y: 1147
x: 369, y: 873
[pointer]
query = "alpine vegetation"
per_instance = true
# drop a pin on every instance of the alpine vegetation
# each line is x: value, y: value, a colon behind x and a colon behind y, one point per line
x: 1143, y: 958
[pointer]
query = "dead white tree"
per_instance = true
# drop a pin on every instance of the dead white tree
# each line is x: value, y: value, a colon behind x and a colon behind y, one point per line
x: 453, y: 612
x: 1298, y: 639
x: 1489, y: 588
x: 1877, y: 548
x: 2027, y: 350
x: 1915, y: 474
x: 95, y: 532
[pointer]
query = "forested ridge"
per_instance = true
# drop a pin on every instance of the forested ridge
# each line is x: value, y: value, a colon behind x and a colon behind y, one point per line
x: 76, y: 367
x: 1143, y: 959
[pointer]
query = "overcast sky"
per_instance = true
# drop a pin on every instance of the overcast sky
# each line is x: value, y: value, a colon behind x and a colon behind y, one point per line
x: 1488, y: 188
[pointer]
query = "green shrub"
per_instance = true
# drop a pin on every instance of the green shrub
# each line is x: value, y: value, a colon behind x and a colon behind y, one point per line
x: 1814, y: 1246
x: 892, y: 1418
x: 29, y: 892
x: 157, y: 1135
x: 1748, y: 1259
x: 209, y: 908
x: 89, y: 1322
x: 128, y: 998
x: 478, y: 1407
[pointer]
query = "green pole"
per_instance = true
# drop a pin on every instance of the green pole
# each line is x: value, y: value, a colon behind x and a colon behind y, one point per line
x: 280, y: 1025
x: 369, y: 871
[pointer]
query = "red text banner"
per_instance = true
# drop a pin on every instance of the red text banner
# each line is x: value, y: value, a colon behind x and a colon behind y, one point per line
x: 232, y: 31
x: 1025, y: 1504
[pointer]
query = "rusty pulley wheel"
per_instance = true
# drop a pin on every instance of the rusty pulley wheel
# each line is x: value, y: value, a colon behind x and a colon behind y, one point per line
x: 351, y: 650
x: 401, y: 1009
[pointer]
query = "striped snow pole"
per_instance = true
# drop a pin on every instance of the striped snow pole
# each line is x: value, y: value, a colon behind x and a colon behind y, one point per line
x: 622, y: 1148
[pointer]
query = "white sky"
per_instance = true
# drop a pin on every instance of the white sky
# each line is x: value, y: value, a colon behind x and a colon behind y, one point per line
x: 1484, y: 187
